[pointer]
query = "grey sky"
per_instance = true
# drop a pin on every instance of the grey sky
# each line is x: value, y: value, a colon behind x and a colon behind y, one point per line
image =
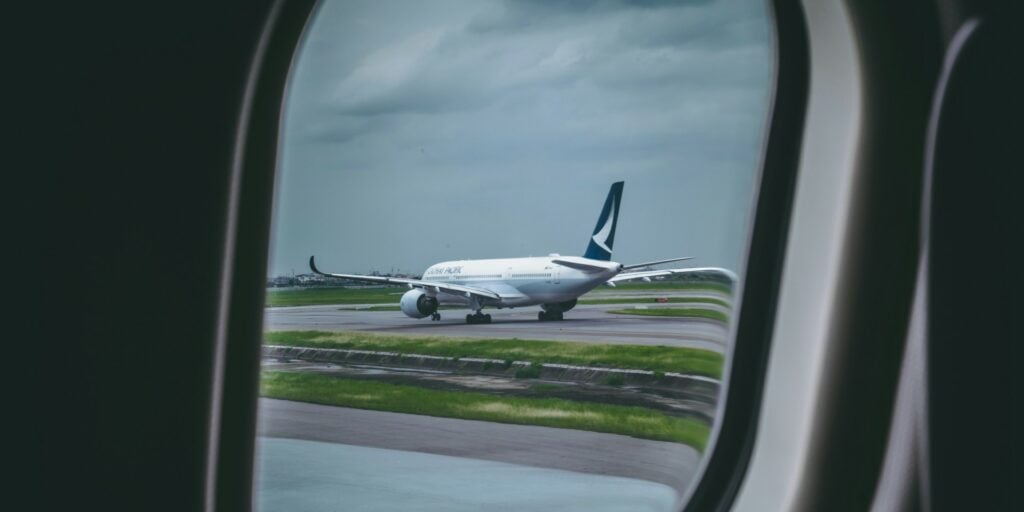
x: 416, y: 132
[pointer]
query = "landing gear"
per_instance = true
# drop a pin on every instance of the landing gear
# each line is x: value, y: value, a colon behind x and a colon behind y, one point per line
x: 478, y: 318
x: 549, y: 315
x: 435, y: 317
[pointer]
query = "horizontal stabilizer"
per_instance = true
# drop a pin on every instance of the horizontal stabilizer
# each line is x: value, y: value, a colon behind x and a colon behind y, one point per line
x: 647, y: 274
x: 578, y: 265
x: 659, y: 262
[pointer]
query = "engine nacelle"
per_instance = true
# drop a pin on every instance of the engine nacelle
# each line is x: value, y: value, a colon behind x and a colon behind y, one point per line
x: 559, y: 307
x: 417, y: 304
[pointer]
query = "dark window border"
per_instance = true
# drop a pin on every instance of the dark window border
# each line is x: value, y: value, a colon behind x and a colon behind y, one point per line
x: 726, y: 466
x: 233, y: 463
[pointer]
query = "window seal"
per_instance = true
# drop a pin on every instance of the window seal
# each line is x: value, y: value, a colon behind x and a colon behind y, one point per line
x: 232, y: 438
x: 718, y: 481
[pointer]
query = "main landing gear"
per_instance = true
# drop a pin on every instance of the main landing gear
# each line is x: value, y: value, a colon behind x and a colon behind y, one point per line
x: 435, y: 317
x: 544, y: 316
x: 478, y: 318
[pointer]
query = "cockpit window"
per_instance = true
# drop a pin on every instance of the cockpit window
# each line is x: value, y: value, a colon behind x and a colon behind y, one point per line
x: 507, y: 237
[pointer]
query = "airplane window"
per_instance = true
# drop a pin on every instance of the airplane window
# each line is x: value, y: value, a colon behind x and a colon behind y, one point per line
x: 506, y: 242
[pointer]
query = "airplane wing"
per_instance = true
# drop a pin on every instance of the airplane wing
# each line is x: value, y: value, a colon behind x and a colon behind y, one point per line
x: 646, y: 275
x: 413, y: 283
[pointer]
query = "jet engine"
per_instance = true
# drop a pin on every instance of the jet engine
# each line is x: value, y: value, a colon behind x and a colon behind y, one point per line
x: 417, y: 304
x: 559, y: 307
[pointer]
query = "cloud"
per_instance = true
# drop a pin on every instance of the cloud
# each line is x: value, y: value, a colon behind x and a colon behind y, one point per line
x: 387, y: 70
x: 455, y: 66
x: 444, y: 69
x: 528, y: 15
x: 437, y: 118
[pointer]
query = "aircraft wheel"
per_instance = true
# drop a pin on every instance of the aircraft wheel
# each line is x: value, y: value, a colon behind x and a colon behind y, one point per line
x: 470, y: 319
x: 487, y: 319
x: 541, y: 316
x: 558, y: 315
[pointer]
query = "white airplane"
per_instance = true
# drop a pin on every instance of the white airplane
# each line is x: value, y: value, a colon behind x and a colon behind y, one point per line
x: 555, y: 282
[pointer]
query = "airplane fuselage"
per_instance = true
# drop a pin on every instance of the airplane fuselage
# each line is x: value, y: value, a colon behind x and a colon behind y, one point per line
x: 520, y: 281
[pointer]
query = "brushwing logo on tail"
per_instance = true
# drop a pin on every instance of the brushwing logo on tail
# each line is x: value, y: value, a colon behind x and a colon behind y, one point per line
x: 601, y: 236
x: 601, y: 242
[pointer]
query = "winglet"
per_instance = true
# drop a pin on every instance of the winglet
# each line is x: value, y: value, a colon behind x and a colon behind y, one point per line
x: 312, y: 266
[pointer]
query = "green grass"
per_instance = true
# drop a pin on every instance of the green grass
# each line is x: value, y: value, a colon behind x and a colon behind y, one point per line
x: 529, y: 372
x: 551, y: 412
x: 651, y: 300
x: 679, y: 312
x: 335, y: 295
x: 641, y: 357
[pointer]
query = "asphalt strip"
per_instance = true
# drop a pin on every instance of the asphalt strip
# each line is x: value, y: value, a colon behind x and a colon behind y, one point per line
x: 305, y: 476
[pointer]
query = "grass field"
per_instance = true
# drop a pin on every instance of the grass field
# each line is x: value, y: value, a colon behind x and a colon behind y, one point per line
x: 640, y: 357
x: 674, y: 312
x: 551, y: 412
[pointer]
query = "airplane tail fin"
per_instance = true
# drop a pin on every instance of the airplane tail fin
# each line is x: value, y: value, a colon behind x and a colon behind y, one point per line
x: 600, y: 246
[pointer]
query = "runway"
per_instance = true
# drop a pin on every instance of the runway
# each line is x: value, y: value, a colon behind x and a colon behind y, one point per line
x: 309, y: 476
x: 578, y: 451
x: 431, y: 463
x: 586, y: 323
